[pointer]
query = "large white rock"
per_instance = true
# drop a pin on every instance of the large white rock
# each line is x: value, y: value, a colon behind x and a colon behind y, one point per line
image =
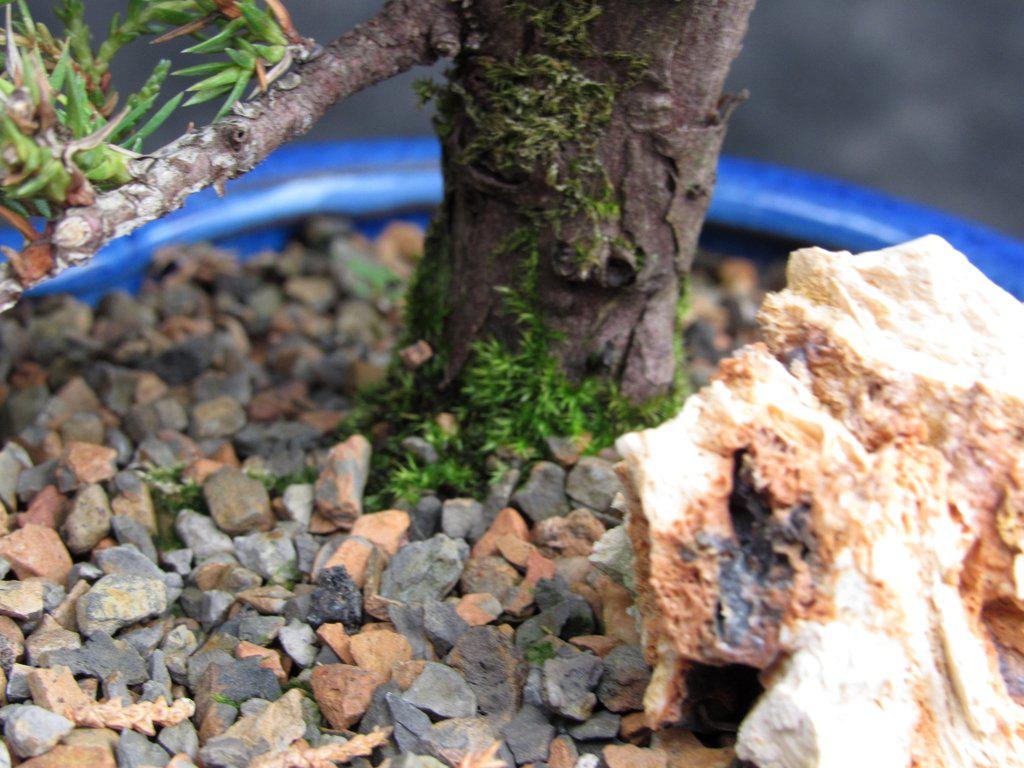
x: 843, y: 510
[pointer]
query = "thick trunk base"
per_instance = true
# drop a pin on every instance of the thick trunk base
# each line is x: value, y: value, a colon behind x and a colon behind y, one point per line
x: 580, y: 145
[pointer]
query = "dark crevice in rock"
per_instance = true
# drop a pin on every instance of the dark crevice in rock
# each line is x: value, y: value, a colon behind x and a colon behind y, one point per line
x: 1003, y: 619
x: 755, y: 572
x: 718, y: 700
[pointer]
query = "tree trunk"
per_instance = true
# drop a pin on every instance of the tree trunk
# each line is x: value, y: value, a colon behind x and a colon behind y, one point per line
x: 580, y: 143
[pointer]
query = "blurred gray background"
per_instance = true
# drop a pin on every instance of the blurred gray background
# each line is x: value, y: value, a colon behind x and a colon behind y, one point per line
x: 920, y: 98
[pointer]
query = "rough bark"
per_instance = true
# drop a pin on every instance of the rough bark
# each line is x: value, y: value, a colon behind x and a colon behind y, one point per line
x: 406, y: 33
x: 613, y: 299
x: 841, y: 512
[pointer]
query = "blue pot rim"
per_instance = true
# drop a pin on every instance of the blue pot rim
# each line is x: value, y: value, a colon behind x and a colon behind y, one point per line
x: 374, y: 178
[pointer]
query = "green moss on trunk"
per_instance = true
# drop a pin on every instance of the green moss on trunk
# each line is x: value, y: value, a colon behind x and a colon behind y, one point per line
x: 534, y: 118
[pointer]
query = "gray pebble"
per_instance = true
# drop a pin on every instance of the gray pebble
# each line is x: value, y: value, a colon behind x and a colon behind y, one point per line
x: 593, y: 483
x: 13, y: 461
x: 424, y: 570
x: 180, y: 739
x: 463, y: 519
x: 528, y: 735
x: 88, y: 521
x: 569, y: 683
x: 128, y: 530
x: 30, y: 731
x: 101, y: 657
x: 237, y: 503
x: 201, y: 535
x: 441, y: 691
x: 297, y: 501
x: 261, y: 630
x: 178, y: 560
x: 270, y: 554
x: 117, y: 600
x: 299, y: 641
x: 443, y: 625
x: 425, y: 518
x: 127, y: 559
x: 208, y: 607
x: 411, y: 725
x: 602, y: 725
x: 136, y: 751
x: 543, y: 494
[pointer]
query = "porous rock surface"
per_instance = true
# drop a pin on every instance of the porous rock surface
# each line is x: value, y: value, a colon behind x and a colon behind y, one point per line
x: 842, y: 510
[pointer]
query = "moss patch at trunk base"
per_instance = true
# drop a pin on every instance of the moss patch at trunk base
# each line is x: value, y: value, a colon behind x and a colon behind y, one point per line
x: 503, y: 407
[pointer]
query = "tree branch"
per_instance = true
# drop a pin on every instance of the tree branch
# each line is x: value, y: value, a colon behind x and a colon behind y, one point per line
x: 405, y: 34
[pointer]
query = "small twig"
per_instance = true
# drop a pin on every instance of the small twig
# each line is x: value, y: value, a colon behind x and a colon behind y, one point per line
x: 227, y: 8
x: 185, y: 29
x: 284, y: 19
x: 94, y: 139
x: 19, y: 222
x: 261, y: 76
x: 402, y: 36
x: 15, y: 67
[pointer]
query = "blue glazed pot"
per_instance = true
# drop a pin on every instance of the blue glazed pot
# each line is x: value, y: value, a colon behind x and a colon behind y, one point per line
x: 757, y: 209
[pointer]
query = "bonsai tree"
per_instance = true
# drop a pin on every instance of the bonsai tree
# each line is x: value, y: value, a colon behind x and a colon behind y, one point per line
x: 580, y: 140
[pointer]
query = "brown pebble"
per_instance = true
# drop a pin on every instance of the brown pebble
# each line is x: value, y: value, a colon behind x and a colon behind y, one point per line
x: 388, y: 529
x: 573, y: 535
x: 87, y: 463
x: 515, y: 550
x: 339, y: 489
x: 630, y: 756
x: 322, y: 421
x: 320, y: 525
x: 492, y: 575
x: 216, y: 720
x: 415, y: 355
x: 354, y: 554
x: 337, y: 640
x: 538, y: 567
x: 478, y: 609
x: 377, y: 626
x: 683, y: 750
x: 508, y: 522
x: 65, y: 613
x: 93, y: 737
x: 69, y: 756
x: 225, y: 455
x: 379, y: 651
x: 269, y: 658
x: 399, y: 245
x: 12, y: 632
x: 562, y: 753
x: 343, y: 692
x: 738, y: 276
x: 35, y: 550
x: 148, y: 388
x: 521, y: 602
x: 633, y: 728
x: 404, y: 673
x: 55, y: 689
x: 47, y: 508
x: 200, y: 469
x: 599, y: 645
x: 616, y: 601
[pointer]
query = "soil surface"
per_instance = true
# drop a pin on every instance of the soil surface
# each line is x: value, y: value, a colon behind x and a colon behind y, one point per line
x: 193, y: 571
